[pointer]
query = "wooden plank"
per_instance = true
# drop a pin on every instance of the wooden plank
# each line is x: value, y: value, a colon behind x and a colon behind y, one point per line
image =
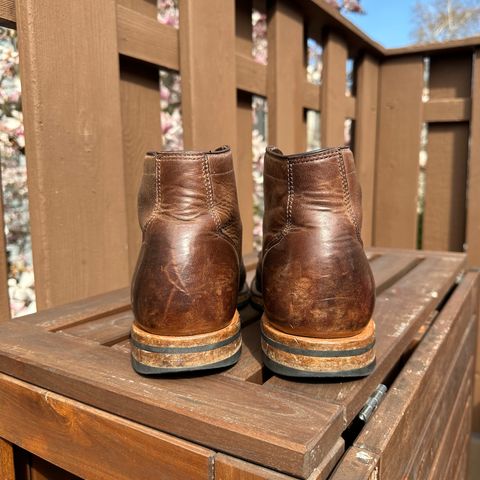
x: 421, y: 382
x: 447, y: 110
x: 244, y: 168
x: 445, y: 191
x: 451, y: 46
x: 277, y: 429
x: 208, y: 73
x: 473, y: 210
x: 311, y: 96
x: 450, y: 76
x: 365, y: 138
x: 73, y: 138
x: 91, y: 443
x: 286, y: 77
x: 229, y: 468
x: 251, y: 75
x: 8, y: 16
x: 140, y: 105
x: 334, y: 79
x: 106, y: 330
x: 144, y: 38
x: 7, y: 468
x: 357, y: 464
x: 243, y: 28
x: 145, y: 7
x: 399, y: 125
x: 81, y: 311
x: 391, y: 267
x: 399, y: 313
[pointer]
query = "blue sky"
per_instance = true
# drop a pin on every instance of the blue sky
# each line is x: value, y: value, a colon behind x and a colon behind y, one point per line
x: 386, y: 21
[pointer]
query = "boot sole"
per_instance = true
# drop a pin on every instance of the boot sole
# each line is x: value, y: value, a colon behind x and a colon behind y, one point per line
x: 296, y: 356
x: 162, y: 354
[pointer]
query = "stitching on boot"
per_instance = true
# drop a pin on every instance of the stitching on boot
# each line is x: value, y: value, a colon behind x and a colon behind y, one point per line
x: 209, y: 189
x: 158, y: 195
x: 347, y: 200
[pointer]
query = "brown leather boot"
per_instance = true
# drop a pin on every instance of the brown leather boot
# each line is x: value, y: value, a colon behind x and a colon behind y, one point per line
x: 185, y: 287
x: 317, y: 285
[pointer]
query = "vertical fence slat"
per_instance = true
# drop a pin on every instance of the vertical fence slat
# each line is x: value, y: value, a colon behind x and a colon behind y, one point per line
x: 365, y: 138
x: 285, y: 78
x: 4, y: 297
x: 399, y: 126
x: 140, y: 103
x: 446, y: 172
x: 243, y: 159
x: 473, y: 206
x: 74, y: 148
x: 208, y: 73
x: 334, y: 78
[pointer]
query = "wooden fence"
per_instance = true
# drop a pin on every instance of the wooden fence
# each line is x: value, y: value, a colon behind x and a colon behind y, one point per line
x: 91, y: 106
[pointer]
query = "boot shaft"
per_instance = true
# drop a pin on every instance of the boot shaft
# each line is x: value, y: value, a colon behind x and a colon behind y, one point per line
x: 315, y: 277
x: 189, y: 267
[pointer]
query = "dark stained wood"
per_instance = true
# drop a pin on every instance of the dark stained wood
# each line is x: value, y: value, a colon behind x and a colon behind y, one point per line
x: 141, y: 133
x: 365, y: 138
x: 473, y: 212
x: 91, y: 443
x: 398, y: 146
x: 326, y: 466
x: 208, y: 73
x: 399, y: 312
x: 280, y: 430
x: 445, y: 192
x: 357, y: 464
x: 73, y: 140
x: 333, y: 102
x: 421, y: 382
x: 8, y: 16
x: 229, y: 468
x: 286, y: 77
x: 42, y: 470
x: 7, y: 470
x: 142, y: 37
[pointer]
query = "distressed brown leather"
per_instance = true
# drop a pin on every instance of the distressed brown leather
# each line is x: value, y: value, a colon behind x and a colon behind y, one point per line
x: 315, y: 278
x: 189, y: 267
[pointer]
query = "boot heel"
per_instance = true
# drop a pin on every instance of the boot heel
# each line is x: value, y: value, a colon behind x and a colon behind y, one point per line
x: 297, y: 356
x: 158, y: 354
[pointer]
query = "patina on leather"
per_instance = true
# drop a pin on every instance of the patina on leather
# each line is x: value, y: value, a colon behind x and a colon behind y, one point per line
x: 314, y: 275
x: 190, y: 267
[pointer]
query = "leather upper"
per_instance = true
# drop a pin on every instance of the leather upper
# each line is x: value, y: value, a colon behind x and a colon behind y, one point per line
x: 314, y: 275
x: 189, y: 267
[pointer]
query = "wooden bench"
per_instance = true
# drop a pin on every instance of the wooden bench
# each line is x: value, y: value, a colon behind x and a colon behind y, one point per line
x: 69, y: 395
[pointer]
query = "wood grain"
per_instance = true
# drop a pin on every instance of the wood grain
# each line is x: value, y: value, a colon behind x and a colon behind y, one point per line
x: 8, y: 15
x: 74, y: 147
x: 473, y: 212
x: 7, y: 469
x: 91, y: 443
x: 398, y: 146
x: 208, y: 73
x: 285, y: 78
x: 334, y: 81
x: 365, y: 138
x: 293, y: 434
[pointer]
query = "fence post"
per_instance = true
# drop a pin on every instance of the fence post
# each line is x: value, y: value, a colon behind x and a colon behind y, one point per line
x: 285, y: 78
x: 365, y: 138
x: 334, y: 80
x: 207, y: 65
x: 74, y: 147
x: 398, y: 146
x: 473, y: 206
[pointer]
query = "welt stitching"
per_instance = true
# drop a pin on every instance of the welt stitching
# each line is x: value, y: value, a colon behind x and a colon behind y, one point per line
x: 313, y: 158
x: 209, y: 190
x: 290, y: 194
x: 347, y: 200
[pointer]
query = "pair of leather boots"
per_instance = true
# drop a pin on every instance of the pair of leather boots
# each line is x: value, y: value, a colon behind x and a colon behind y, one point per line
x: 313, y: 279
